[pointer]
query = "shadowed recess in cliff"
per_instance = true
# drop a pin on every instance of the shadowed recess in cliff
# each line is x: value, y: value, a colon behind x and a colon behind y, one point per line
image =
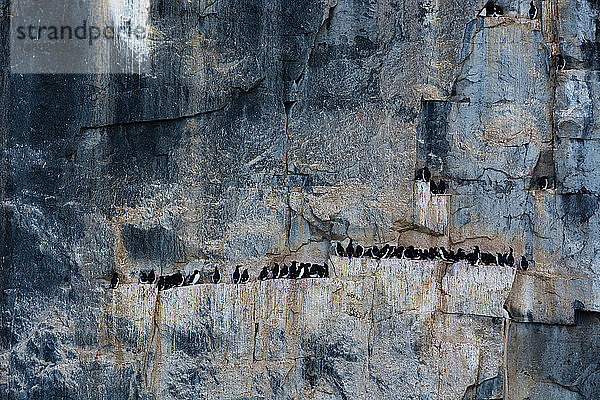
x: 432, y: 142
x: 154, y: 243
x: 578, y: 208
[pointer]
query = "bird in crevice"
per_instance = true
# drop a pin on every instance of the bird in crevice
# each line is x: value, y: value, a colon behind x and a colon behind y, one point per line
x: 368, y: 253
x: 143, y: 277
x: 491, y: 9
x: 544, y: 183
x: 264, y: 273
x: 216, y: 276
x: 151, y: 277
x: 244, y: 278
x: 236, y: 274
x: 561, y: 63
x: 423, y: 174
x: 532, y: 11
x: 114, y: 280
x: 275, y: 271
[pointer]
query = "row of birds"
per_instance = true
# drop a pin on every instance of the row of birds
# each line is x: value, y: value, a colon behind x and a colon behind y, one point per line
x: 294, y: 271
x: 424, y: 175
x: 492, y: 9
x: 476, y: 257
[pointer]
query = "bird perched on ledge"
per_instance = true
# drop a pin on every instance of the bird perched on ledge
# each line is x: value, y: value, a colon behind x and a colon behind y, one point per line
x: 264, y: 274
x: 114, y: 281
x: 216, y: 276
x: 532, y: 11
x: 422, y: 174
x: 236, y: 274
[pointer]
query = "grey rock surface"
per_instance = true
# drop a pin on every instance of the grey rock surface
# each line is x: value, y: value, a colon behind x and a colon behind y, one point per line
x: 266, y: 130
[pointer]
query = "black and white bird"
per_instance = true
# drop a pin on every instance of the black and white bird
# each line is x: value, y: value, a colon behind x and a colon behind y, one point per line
x: 561, y: 63
x: 423, y: 174
x: 510, y: 259
x: 433, y: 187
x: 275, y: 271
x: 245, y: 276
x: 264, y: 273
x: 358, y: 251
x: 216, y: 276
x: 532, y: 11
x: 441, y: 187
x: 283, y: 272
x: 293, y: 273
x: 143, y: 277
x: 302, y: 272
x: 236, y: 274
x: 524, y: 263
x: 194, y: 278
x: 544, y: 183
x: 151, y: 277
x: 114, y: 281
x: 490, y: 9
x: 340, y: 250
x: 350, y: 249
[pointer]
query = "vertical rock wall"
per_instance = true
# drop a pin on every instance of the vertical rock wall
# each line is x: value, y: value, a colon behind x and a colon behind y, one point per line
x: 268, y: 129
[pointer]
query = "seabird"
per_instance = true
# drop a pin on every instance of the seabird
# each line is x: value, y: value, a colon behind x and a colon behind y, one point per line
x: 544, y: 183
x: 561, y: 63
x: 441, y: 187
x: 532, y: 11
x: 216, y: 276
x: 143, y: 277
x: 236, y: 274
x: 510, y: 260
x: 275, y: 271
x: 443, y: 254
x: 340, y: 250
x: 384, y: 250
x: 390, y: 252
x: 488, y: 10
x: 368, y: 253
x: 350, y: 249
x: 375, y: 251
x: 304, y: 270
x: 283, y: 272
x: 358, y: 251
x: 195, y: 277
x: 151, y: 276
x: 293, y: 271
x: 245, y: 276
x: 423, y: 174
x: 264, y: 274
x: 398, y: 252
x: 114, y: 281
x: 524, y: 263
x: 433, y: 187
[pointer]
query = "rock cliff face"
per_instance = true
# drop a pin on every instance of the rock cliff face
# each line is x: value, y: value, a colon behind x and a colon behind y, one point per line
x: 268, y: 129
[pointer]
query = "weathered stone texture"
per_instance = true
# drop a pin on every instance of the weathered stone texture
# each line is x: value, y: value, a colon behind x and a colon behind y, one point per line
x: 268, y: 129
